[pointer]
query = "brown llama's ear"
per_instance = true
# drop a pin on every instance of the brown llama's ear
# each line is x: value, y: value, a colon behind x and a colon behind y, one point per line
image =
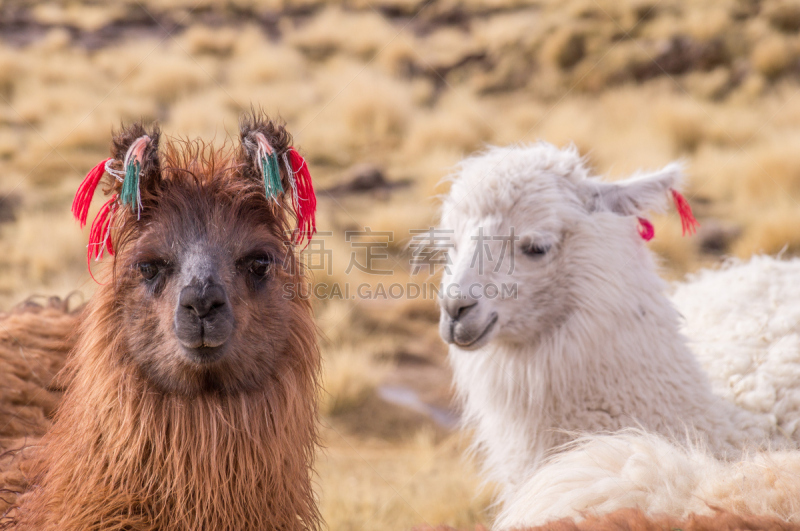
x: 135, y: 168
x: 136, y: 165
x: 257, y: 134
x: 267, y: 154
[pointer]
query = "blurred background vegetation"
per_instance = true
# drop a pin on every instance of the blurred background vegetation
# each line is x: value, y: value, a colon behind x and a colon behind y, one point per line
x: 384, y: 97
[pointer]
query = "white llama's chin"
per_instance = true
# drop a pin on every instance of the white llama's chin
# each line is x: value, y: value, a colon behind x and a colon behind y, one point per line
x: 474, y: 337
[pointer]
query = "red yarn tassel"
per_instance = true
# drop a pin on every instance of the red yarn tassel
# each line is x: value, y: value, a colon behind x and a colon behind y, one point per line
x: 646, y: 230
x: 688, y: 222
x: 305, y: 204
x: 83, y: 197
x: 100, y: 233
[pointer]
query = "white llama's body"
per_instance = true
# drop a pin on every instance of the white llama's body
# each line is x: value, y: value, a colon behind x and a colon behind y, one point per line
x: 743, y: 323
x: 589, y: 344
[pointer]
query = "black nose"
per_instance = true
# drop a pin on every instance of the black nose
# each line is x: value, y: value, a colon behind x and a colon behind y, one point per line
x: 203, y: 319
x: 202, y: 299
x: 457, y: 307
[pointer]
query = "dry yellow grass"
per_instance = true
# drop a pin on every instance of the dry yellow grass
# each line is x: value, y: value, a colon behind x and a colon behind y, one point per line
x: 334, y: 31
x: 409, y: 87
x: 373, y: 485
x: 351, y: 374
x: 772, y: 56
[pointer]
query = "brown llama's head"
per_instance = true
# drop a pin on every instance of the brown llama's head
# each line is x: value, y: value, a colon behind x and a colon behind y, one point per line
x: 201, y: 261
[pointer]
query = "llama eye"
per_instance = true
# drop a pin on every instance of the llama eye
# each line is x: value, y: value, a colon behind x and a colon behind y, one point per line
x: 149, y: 270
x: 535, y: 250
x: 260, y: 266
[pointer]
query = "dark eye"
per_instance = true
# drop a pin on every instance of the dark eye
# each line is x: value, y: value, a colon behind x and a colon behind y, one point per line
x: 259, y: 267
x: 149, y: 270
x: 534, y: 250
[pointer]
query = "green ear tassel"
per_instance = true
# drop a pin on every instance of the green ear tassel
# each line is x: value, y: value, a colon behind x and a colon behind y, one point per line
x: 272, y: 176
x: 275, y: 171
x: 130, y: 185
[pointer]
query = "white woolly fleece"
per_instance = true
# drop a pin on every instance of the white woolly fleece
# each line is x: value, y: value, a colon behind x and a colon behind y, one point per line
x: 590, y: 343
x: 743, y: 321
x: 602, y: 473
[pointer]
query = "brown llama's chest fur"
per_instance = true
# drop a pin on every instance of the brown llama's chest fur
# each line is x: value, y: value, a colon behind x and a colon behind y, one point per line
x: 124, y: 456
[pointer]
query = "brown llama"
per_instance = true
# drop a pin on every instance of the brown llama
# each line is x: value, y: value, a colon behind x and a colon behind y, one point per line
x: 190, y: 399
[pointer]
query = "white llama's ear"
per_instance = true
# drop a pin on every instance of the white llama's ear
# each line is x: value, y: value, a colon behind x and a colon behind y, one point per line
x: 633, y: 196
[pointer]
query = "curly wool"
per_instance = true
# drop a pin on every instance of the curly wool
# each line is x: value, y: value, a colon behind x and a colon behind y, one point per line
x: 599, y: 474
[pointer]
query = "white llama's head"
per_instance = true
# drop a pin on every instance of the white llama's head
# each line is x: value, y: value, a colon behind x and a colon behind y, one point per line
x: 532, y: 233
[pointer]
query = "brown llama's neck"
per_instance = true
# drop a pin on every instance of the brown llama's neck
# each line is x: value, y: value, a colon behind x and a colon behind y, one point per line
x: 123, y: 456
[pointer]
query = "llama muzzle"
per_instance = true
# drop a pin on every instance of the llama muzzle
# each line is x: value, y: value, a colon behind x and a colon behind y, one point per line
x: 464, y: 323
x: 203, y: 320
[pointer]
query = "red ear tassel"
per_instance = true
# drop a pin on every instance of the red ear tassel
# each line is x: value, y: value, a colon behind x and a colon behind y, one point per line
x: 646, y: 230
x: 305, y: 201
x: 100, y: 234
x: 83, y: 197
x: 688, y: 222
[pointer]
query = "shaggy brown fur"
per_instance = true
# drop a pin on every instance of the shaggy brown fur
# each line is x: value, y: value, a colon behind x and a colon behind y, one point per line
x: 148, y: 438
x: 34, y: 341
x: 636, y: 520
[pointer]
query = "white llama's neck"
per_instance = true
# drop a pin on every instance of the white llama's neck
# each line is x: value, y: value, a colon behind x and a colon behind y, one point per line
x: 618, y: 361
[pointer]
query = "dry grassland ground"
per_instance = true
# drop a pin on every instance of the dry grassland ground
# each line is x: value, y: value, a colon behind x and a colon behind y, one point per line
x: 384, y: 97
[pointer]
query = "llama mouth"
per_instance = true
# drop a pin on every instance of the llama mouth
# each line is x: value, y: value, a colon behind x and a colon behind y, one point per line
x: 201, y: 344
x: 482, y: 336
x: 204, y: 355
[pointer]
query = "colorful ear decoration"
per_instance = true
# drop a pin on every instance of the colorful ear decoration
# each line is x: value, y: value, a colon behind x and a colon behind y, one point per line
x: 83, y: 198
x: 304, y: 198
x: 646, y: 230
x: 304, y: 201
x: 267, y: 162
x: 132, y: 165
x: 689, y: 223
x: 100, y: 232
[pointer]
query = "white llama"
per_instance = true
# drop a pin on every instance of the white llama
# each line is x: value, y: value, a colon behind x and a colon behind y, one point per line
x: 580, y: 338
